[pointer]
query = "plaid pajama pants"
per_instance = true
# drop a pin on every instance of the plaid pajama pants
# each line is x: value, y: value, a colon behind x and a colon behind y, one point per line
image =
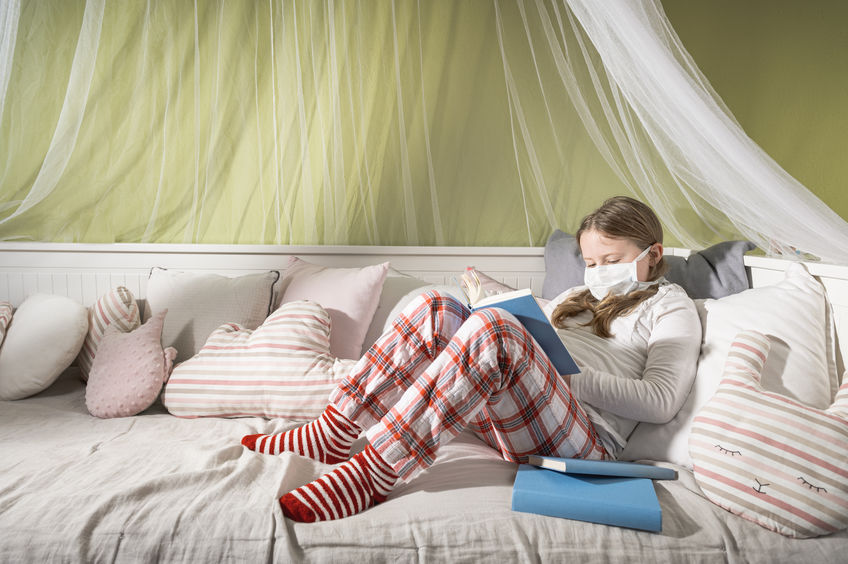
x: 441, y: 369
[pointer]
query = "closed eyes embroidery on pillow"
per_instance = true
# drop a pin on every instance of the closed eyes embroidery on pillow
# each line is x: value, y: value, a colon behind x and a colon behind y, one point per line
x: 817, y: 489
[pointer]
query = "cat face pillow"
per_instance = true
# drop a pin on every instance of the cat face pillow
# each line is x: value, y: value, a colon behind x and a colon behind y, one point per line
x: 768, y: 458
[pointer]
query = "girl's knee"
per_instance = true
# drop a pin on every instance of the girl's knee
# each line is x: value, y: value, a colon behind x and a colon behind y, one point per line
x: 494, y: 318
x: 441, y: 297
x: 435, y: 300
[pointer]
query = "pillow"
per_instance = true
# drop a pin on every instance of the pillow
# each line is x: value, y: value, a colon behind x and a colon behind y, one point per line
x: 564, y: 264
x: 44, y: 337
x: 395, y: 287
x: 350, y: 296
x: 118, y: 307
x: 802, y: 364
x: 198, y: 303
x: 714, y: 272
x: 128, y: 372
x: 282, y: 369
x: 5, y: 319
x: 767, y: 457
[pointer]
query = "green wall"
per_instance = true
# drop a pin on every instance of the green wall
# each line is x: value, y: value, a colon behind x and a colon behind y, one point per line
x: 781, y: 66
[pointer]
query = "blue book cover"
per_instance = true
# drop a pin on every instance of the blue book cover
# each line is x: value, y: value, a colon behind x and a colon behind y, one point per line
x: 623, y: 502
x: 603, y: 467
x: 526, y: 309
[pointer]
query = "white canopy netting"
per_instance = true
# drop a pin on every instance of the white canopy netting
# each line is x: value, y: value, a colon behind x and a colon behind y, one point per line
x: 337, y: 122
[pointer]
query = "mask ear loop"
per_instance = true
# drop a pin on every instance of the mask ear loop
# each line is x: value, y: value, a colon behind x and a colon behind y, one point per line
x: 644, y: 253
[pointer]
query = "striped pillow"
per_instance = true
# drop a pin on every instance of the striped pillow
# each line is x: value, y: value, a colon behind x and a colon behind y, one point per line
x: 282, y: 369
x: 118, y: 307
x: 5, y: 318
x: 769, y: 458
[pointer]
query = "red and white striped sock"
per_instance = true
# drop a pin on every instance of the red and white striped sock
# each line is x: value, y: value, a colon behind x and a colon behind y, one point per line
x: 363, y: 481
x: 327, y: 439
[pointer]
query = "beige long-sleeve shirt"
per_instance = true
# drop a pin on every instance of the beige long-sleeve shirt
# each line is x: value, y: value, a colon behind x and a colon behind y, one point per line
x: 643, y: 372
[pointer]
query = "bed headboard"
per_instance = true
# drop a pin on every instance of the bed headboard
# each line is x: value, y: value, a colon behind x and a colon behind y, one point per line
x: 87, y: 271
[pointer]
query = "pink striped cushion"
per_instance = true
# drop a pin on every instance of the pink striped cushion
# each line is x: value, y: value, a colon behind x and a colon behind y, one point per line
x: 5, y: 319
x: 117, y: 307
x: 282, y: 369
x: 769, y: 458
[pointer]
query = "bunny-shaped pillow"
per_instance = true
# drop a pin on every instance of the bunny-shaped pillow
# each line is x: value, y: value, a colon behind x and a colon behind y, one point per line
x: 768, y: 458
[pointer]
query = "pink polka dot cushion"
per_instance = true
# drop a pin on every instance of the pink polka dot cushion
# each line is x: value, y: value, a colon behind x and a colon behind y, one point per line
x: 129, y: 370
x: 767, y: 457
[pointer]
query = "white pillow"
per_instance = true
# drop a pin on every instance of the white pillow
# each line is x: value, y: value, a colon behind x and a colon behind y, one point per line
x: 802, y: 364
x: 44, y: 337
x: 198, y: 304
x: 349, y: 295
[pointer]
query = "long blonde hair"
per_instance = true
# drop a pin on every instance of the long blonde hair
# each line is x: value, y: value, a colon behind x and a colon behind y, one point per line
x: 622, y: 218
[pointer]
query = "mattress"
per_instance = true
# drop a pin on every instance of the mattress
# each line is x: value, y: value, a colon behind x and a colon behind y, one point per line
x: 157, y: 488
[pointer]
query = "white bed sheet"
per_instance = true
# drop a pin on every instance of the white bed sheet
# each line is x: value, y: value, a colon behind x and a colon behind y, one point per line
x: 74, y: 488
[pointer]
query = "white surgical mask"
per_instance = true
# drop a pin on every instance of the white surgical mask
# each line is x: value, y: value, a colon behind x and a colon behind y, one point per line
x: 614, y: 278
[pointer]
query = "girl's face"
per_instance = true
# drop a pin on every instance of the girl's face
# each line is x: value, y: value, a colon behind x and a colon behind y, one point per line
x: 599, y: 249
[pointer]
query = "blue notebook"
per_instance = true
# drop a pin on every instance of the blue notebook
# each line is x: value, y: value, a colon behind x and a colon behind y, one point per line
x: 526, y: 309
x: 624, y: 502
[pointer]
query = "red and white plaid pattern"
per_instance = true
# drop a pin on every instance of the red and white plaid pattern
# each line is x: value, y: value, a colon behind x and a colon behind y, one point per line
x: 442, y: 369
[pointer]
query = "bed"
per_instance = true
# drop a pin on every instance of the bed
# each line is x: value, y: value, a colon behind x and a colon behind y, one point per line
x: 156, y: 487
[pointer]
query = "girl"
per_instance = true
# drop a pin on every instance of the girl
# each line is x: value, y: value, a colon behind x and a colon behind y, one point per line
x: 441, y: 369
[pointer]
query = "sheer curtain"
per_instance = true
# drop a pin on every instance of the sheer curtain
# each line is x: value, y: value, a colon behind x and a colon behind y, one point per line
x: 670, y: 138
x: 355, y: 122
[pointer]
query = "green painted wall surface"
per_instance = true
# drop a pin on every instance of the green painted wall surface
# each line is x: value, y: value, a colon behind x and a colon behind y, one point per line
x: 781, y: 66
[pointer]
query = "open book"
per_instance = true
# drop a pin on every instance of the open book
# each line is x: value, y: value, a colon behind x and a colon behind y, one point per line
x: 527, y: 310
x: 603, y: 467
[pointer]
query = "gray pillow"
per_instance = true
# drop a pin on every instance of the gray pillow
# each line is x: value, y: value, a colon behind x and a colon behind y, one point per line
x: 198, y: 303
x: 564, y: 264
x: 715, y: 272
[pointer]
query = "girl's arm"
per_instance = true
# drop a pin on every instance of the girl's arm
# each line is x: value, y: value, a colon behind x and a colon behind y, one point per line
x: 672, y: 358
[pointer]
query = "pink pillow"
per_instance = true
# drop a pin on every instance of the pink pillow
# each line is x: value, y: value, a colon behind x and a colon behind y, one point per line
x: 349, y: 295
x: 129, y: 370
